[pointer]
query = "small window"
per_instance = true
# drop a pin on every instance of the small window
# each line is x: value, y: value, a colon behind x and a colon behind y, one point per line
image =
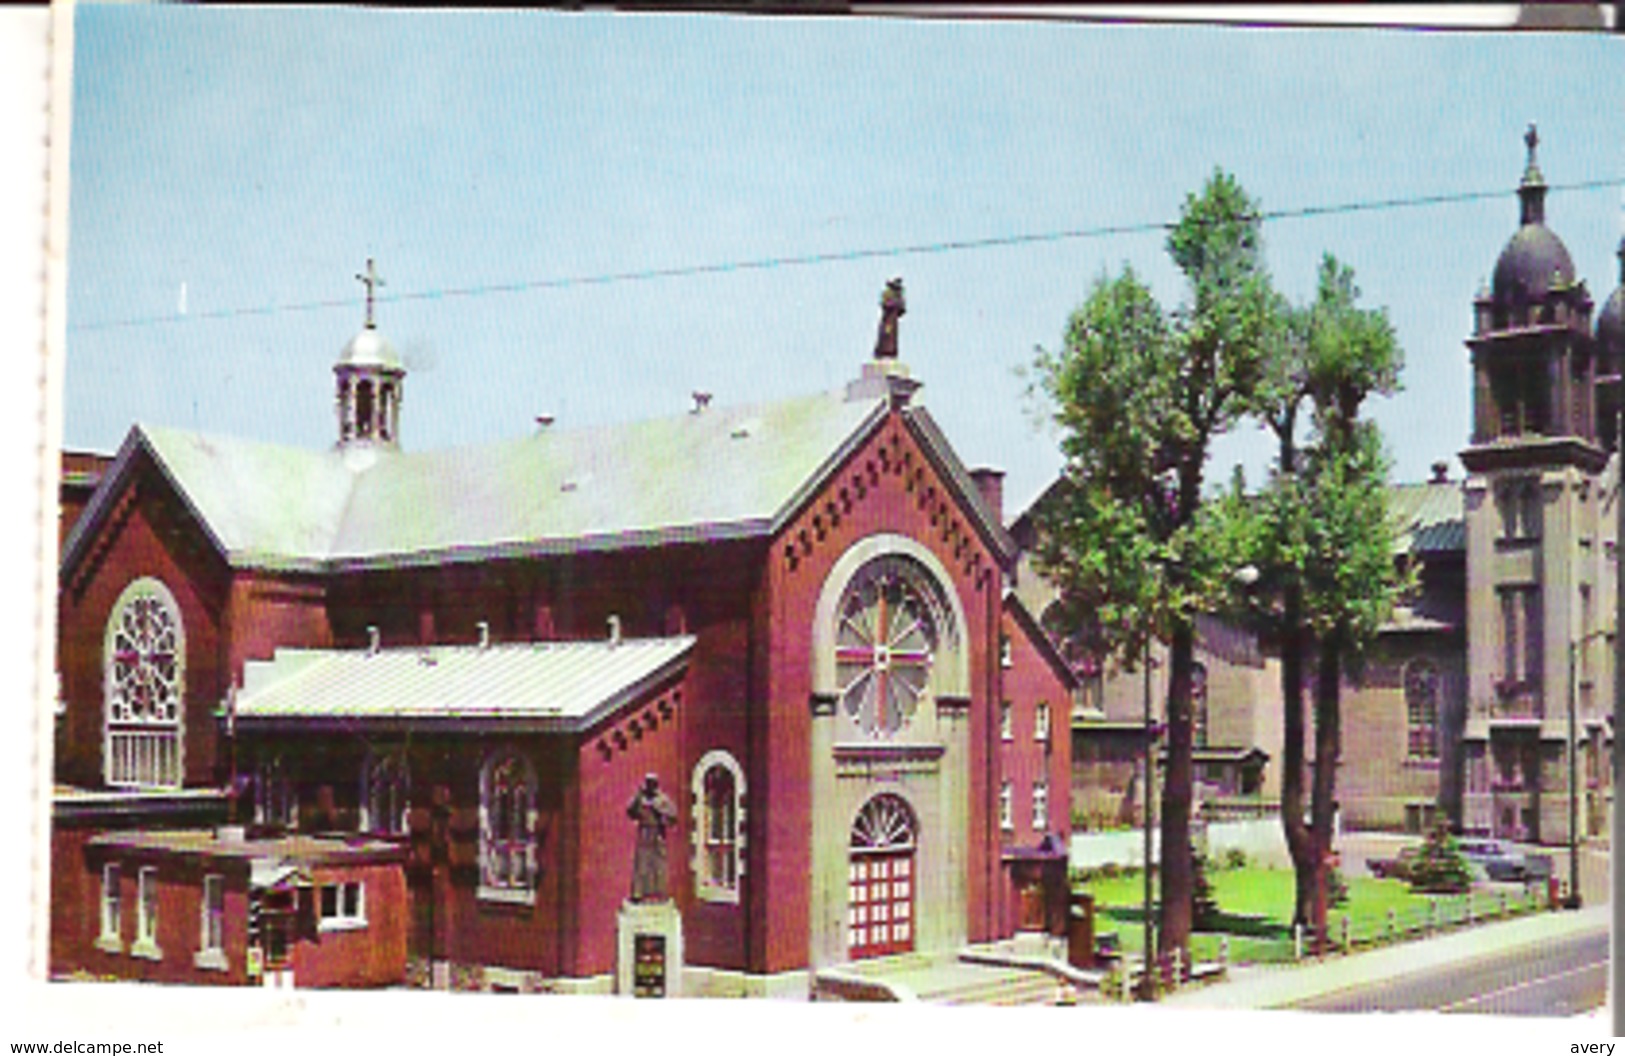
x: 1007, y: 807
x: 214, y: 913
x: 342, y: 906
x: 146, y: 914
x: 1005, y: 655
x: 1040, y: 806
x: 109, y: 939
x: 1007, y: 722
x: 211, y: 952
x: 276, y: 793
x: 1041, y: 722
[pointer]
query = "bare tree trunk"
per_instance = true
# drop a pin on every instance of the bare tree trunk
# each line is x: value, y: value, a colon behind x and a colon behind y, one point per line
x: 1328, y: 738
x: 1177, y: 881
x: 1293, y: 823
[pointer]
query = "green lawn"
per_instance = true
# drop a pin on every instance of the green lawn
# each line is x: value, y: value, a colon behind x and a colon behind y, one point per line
x: 1255, y: 910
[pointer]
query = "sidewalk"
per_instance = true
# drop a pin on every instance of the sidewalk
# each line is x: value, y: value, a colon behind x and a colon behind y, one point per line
x: 1285, y: 985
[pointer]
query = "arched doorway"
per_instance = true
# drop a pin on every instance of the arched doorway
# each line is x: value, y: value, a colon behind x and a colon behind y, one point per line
x: 881, y: 879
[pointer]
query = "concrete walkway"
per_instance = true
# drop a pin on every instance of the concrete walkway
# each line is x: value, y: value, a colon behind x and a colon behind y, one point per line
x: 1280, y: 986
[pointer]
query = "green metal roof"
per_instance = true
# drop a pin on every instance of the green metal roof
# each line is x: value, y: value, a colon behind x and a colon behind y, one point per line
x: 718, y: 473
x: 1431, y: 518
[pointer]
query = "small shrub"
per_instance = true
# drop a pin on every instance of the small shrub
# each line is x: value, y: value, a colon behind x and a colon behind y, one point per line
x: 1439, y: 867
x: 1233, y: 858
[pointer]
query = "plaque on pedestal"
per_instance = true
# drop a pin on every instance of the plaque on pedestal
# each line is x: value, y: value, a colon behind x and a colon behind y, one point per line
x: 649, y: 949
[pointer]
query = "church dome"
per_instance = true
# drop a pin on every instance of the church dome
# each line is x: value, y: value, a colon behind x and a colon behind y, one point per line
x: 1611, y: 320
x: 369, y: 348
x: 1533, y: 264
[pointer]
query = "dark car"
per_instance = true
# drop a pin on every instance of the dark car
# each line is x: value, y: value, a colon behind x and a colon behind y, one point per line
x: 1397, y: 868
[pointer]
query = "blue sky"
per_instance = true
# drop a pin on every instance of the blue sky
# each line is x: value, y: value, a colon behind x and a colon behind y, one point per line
x: 258, y: 157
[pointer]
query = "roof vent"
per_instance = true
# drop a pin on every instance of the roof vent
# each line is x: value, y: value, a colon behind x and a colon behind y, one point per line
x: 745, y: 428
x: 372, y: 639
x: 1441, y: 473
x: 484, y: 627
x: 614, y: 629
x: 702, y: 400
x: 543, y: 421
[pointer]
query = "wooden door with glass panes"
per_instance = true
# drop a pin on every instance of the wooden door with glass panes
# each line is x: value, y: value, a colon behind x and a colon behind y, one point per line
x: 880, y: 880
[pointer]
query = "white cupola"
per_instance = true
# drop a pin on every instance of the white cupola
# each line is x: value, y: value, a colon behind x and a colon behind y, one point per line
x: 370, y: 377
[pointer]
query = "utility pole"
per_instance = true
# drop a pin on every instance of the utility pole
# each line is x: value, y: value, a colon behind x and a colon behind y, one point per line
x: 1149, y: 817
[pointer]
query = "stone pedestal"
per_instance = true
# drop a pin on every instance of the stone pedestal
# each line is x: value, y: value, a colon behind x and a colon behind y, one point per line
x: 649, y: 949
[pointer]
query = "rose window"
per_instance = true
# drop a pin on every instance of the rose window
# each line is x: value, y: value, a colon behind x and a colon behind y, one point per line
x: 885, y: 643
x: 146, y: 670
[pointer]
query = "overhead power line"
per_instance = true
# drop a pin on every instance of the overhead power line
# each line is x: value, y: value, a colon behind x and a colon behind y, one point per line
x: 813, y: 259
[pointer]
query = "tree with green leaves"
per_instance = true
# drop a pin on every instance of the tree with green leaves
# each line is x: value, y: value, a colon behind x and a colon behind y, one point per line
x: 1139, y: 395
x: 1324, y: 541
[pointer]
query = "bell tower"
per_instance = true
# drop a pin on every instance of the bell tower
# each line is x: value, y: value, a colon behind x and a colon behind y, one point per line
x: 1534, y: 535
x: 370, y: 377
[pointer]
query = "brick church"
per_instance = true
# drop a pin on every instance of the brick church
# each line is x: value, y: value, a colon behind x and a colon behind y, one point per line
x: 363, y: 714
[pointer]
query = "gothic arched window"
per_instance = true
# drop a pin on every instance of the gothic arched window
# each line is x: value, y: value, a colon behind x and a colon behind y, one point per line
x: 719, y: 827
x: 889, y: 624
x: 1421, y: 710
x: 508, y: 828
x: 384, y: 794
x: 144, y: 673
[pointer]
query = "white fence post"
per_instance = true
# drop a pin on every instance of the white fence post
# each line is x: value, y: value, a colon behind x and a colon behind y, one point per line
x: 1297, y: 941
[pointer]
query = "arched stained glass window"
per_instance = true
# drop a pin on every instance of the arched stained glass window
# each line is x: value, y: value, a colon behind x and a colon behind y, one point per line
x: 889, y: 626
x: 1421, y: 710
x: 385, y: 791
x: 508, y: 829
x: 144, y: 677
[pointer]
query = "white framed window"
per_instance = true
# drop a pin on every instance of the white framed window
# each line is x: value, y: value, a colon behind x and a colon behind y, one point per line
x: 211, y: 946
x: 385, y: 793
x: 1040, y: 806
x: 276, y: 792
x: 1006, y: 656
x: 1007, y: 721
x: 718, y: 788
x: 110, y: 938
x: 1041, y: 722
x: 341, y: 906
x: 144, y: 687
x: 508, y: 829
x: 1007, y: 807
x: 146, y: 914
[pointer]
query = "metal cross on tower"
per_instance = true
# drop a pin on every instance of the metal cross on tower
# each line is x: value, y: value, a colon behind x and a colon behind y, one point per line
x: 371, y: 281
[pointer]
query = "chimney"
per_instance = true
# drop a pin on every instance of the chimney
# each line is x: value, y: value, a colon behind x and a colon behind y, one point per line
x: 990, y: 483
x: 614, y: 629
x: 372, y: 640
x: 484, y: 627
x: 702, y: 400
x: 1441, y: 473
x: 544, y: 421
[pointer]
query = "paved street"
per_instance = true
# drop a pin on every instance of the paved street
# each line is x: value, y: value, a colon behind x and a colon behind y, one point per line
x: 1545, y: 964
x: 1565, y: 977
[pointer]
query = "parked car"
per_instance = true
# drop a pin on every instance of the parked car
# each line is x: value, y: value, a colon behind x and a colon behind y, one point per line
x: 1397, y: 868
x: 1494, y: 860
